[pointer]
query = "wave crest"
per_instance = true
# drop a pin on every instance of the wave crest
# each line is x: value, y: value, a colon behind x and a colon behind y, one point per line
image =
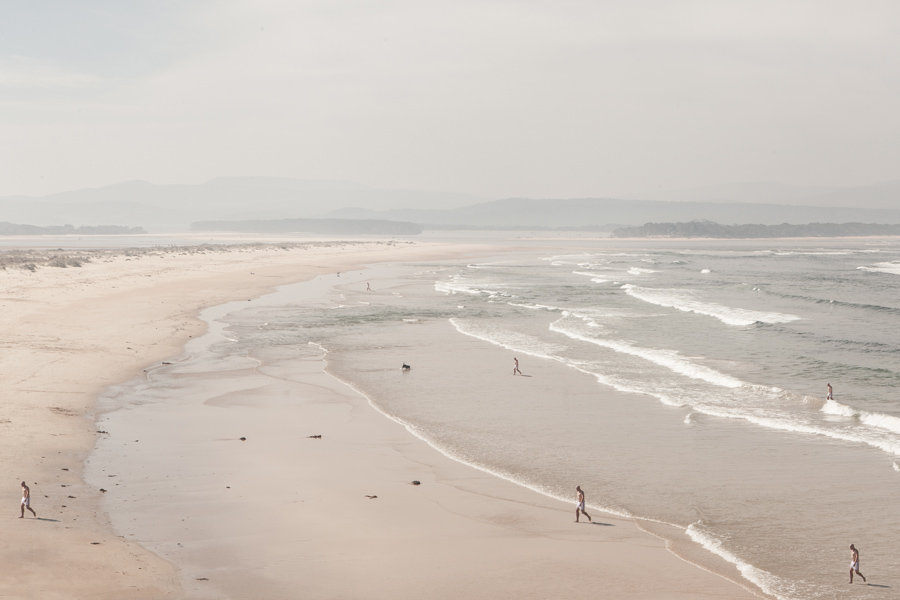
x: 687, y: 302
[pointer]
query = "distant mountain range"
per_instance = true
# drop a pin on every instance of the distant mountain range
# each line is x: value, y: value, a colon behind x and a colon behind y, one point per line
x: 881, y: 195
x: 609, y: 212
x: 174, y: 207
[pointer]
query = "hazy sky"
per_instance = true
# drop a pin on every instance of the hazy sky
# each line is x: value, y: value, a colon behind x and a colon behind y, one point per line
x: 533, y: 98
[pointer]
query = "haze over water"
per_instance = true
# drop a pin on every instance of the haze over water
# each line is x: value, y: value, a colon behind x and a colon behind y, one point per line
x: 675, y: 382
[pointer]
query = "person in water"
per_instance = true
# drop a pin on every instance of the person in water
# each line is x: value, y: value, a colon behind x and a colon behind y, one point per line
x: 854, y: 563
x: 830, y: 395
x: 579, y: 506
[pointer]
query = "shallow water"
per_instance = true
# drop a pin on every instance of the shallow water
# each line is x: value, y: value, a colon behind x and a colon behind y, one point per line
x: 678, y: 382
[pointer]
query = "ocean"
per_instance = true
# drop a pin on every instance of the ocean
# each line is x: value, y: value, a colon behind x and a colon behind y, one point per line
x: 680, y: 383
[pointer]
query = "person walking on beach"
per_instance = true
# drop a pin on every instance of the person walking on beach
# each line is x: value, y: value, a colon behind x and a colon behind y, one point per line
x: 516, y: 370
x: 26, y: 502
x: 368, y: 289
x: 830, y: 395
x: 854, y: 563
x: 579, y: 507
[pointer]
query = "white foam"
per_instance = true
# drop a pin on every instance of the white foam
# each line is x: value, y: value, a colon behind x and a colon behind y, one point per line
x: 686, y: 302
x: 785, y: 422
x: 882, y: 421
x: 895, y: 466
x: 594, y: 265
x: 640, y: 271
x: 511, y: 340
x: 765, y: 406
x: 566, y: 259
x: 669, y: 359
x: 536, y: 306
x: 455, y: 287
x: 704, y: 271
x: 879, y: 420
x: 688, y: 419
x: 593, y: 276
x: 621, y: 386
x: 836, y: 408
x: 812, y: 253
x: 892, y: 268
x: 767, y: 582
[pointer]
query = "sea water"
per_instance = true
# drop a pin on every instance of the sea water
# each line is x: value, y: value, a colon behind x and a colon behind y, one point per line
x: 706, y: 366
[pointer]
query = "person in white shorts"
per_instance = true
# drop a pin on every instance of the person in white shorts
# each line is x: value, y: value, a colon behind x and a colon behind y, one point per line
x: 854, y: 564
x: 579, y: 507
x: 26, y: 501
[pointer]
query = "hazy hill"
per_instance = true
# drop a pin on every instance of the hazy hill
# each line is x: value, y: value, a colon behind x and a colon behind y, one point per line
x: 881, y: 195
x: 175, y: 206
x: 605, y: 211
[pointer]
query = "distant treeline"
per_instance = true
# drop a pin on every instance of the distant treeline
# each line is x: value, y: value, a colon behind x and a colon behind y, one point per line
x: 16, y: 229
x: 442, y: 227
x: 328, y: 226
x: 709, y: 229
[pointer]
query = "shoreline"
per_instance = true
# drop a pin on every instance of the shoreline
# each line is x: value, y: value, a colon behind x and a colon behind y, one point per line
x: 676, y: 539
x: 361, y: 454
x: 72, y: 332
x: 160, y: 576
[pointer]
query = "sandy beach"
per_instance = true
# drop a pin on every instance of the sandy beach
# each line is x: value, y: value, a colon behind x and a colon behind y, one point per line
x: 280, y: 514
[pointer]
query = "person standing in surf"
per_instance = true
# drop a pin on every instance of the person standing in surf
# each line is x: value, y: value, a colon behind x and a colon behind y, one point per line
x: 516, y: 370
x: 854, y: 563
x: 579, y: 507
x: 830, y: 395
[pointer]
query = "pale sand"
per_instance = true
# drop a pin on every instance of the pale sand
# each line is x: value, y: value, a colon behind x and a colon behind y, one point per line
x: 71, y: 332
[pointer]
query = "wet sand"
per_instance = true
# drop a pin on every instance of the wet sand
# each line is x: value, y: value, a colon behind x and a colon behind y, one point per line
x: 278, y: 514
x: 71, y: 332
